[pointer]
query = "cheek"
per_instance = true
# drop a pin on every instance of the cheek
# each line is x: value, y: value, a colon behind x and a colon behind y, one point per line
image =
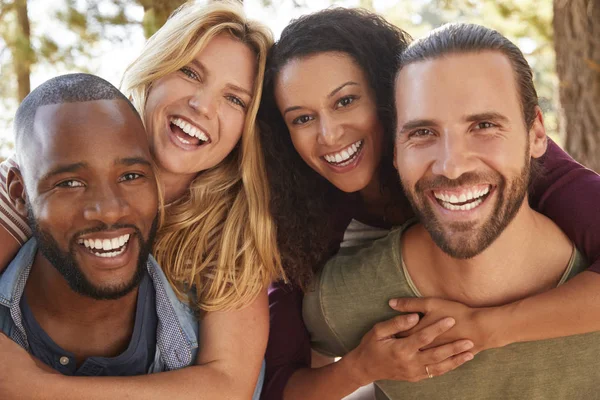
x: 412, y: 163
x: 232, y: 126
x: 56, y: 216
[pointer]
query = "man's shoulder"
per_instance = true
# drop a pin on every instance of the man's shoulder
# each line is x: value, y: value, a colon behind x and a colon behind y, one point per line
x: 384, y: 251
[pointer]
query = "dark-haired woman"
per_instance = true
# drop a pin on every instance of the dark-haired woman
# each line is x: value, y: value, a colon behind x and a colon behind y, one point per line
x: 328, y: 137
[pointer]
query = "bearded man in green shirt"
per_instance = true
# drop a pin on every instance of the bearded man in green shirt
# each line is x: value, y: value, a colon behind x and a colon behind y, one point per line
x: 469, y: 133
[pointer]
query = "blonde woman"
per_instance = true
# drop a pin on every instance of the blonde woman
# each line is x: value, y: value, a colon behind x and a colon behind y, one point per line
x: 197, y: 86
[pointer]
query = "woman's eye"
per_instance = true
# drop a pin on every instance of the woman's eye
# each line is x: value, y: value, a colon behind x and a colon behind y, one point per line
x: 190, y: 73
x: 345, y: 101
x: 70, y: 184
x: 130, y: 177
x: 301, y: 120
x: 236, y: 100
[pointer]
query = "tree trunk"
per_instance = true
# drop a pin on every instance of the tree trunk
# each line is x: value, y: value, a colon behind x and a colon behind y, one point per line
x: 156, y: 13
x: 22, y: 51
x: 577, y: 42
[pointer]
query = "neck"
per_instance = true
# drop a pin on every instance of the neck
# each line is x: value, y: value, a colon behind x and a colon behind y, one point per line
x: 382, y: 206
x: 175, y: 186
x: 77, y: 323
x: 528, y: 257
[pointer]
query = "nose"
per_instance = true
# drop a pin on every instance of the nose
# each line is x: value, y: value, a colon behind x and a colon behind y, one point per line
x: 330, y: 131
x: 106, y: 204
x: 203, y: 102
x: 453, y: 157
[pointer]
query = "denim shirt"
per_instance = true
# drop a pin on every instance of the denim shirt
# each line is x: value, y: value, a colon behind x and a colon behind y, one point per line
x: 176, y: 331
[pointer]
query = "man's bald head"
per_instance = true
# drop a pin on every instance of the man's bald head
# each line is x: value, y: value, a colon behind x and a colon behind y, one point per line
x: 70, y: 88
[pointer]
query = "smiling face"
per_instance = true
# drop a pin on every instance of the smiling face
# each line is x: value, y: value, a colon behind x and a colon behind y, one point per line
x: 91, y: 194
x: 331, y: 113
x: 462, y: 149
x: 195, y: 116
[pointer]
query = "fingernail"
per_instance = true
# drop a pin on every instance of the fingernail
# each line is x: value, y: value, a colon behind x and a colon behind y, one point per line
x: 467, y: 345
x: 393, y: 303
x: 449, y: 321
x: 469, y: 356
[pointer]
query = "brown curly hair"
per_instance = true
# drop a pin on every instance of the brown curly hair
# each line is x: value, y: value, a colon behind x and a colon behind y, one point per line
x: 310, y: 213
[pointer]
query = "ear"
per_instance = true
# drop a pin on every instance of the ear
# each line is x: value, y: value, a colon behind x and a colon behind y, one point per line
x: 17, y: 195
x: 538, y: 141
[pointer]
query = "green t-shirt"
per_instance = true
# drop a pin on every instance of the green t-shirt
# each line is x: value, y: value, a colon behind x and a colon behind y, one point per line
x: 351, y: 295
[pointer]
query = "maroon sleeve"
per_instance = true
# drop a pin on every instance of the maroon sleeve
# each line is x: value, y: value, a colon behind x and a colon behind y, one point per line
x: 288, y: 348
x: 569, y: 194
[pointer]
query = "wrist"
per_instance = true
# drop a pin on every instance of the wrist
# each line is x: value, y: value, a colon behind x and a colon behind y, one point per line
x: 353, y: 371
x: 497, y: 325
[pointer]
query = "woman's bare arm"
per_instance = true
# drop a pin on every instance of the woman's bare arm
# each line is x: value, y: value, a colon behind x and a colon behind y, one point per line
x: 232, y: 346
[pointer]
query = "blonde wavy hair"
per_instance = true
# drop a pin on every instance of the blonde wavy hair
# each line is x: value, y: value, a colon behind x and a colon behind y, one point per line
x: 218, y: 241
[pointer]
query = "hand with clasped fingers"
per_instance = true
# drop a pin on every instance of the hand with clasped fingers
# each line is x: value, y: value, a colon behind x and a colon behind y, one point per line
x: 381, y: 354
x: 479, y: 325
x: 20, y: 372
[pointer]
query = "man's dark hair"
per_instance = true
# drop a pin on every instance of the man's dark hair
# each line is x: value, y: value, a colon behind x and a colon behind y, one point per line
x: 471, y: 38
x: 304, y: 204
x: 70, y: 88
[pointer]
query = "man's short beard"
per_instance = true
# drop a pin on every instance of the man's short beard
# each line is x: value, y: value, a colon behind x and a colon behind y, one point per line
x: 506, y: 208
x: 68, y: 267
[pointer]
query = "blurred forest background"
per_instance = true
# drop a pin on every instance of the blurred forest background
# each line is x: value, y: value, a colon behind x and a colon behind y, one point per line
x: 561, y: 39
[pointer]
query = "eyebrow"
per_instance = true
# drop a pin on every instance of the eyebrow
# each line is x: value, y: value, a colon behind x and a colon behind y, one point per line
x: 330, y: 95
x: 337, y: 89
x: 494, y: 116
x: 203, y: 69
x: 62, y: 169
x: 129, y: 161
x: 415, y: 124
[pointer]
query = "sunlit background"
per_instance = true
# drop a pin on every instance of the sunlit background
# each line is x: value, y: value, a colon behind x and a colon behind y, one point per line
x: 104, y: 36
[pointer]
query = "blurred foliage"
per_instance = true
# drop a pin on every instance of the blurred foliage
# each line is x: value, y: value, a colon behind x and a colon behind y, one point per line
x: 528, y: 23
x: 87, y: 22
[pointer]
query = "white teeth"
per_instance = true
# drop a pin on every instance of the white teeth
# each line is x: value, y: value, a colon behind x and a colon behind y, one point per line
x: 189, y: 129
x: 344, y: 157
x: 464, y: 207
x: 117, y: 244
x: 450, y: 201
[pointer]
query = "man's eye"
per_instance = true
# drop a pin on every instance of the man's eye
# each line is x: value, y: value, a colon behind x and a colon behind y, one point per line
x: 70, y: 184
x: 485, y: 125
x: 130, y: 177
x: 190, y: 73
x: 420, y: 133
x: 301, y: 120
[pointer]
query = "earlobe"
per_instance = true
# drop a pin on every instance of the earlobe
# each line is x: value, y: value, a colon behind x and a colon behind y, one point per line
x: 538, y: 141
x: 16, y: 191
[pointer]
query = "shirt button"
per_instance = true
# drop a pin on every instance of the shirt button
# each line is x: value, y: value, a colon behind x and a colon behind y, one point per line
x: 64, y: 360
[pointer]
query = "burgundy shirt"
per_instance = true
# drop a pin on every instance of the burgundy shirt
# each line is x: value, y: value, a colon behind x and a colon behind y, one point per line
x: 565, y: 191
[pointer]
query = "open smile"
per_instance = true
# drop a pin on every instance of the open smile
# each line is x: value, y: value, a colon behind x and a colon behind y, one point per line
x: 108, y: 249
x: 463, y: 199
x: 186, y: 134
